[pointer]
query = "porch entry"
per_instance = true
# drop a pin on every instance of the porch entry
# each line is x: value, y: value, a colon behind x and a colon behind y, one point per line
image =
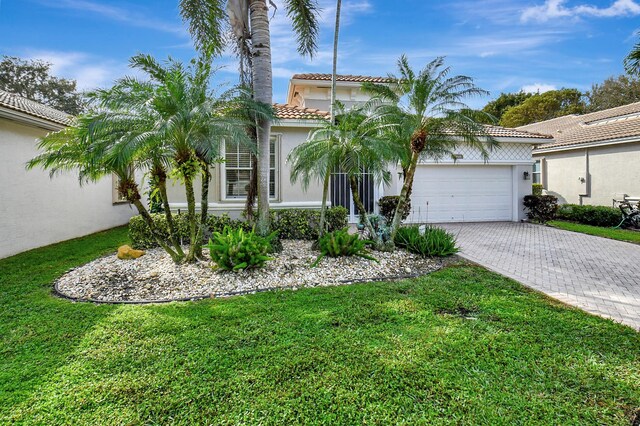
x: 341, y: 194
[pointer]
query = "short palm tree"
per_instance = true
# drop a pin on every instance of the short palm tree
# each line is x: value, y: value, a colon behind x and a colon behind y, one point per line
x: 354, y: 145
x: 632, y: 61
x: 248, y: 22
x: 430, y: 116
x: 172, y: 124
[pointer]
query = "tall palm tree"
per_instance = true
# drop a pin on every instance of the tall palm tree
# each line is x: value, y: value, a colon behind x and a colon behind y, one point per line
x: 248, y: 21
x: 429, y: 113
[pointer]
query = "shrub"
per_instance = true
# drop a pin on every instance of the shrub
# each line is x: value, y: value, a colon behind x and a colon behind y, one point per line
x: 541, y: 208
x: 290, y: 224
x: 388, y: 205
x: 236, y: 249
x: 590, y: 215
x: 341, y: 243
x: 536, y: 189
x: 300, y: 224
x: 433, y: 242
x: 379, y: 223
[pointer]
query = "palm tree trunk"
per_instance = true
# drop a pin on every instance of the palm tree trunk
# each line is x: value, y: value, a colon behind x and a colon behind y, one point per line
x: 262, y: 92
x: 334, y: 71
x: 407, y: 187
x: 173, y: 234
x: 353, y: 183
x: 154, y: 231
x: 191, y: 218
x: 204, y: 205
x: 323, y: 208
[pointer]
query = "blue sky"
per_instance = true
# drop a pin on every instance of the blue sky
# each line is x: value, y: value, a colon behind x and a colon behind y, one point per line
x: 506, y: 45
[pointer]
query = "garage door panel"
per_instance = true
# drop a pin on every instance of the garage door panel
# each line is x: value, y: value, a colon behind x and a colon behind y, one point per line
x: 462, y: 193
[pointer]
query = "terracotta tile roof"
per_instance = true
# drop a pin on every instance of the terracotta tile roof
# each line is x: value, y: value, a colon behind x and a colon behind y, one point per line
x: 35, y: 109
x: 574, y: 130
x: 506, y: 132
x: 346, y: 78
x: 292, y: 112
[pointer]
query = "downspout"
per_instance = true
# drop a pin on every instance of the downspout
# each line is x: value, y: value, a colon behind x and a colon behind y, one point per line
x: 587, y: 176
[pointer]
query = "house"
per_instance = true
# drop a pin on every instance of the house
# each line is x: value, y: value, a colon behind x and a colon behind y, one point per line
x: 468, y: 189
x: 593, y: 158
x: 35, y: 209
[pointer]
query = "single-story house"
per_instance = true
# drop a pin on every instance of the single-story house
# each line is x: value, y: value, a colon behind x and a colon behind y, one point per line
x: 593, y: 159
x: 35, y: 209
x: 466, y: 190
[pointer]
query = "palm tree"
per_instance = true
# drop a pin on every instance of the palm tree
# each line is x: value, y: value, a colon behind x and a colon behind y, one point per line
x: 354, y: 145
x: 249, y: 23
x: 632, y: 61
x: 428, y: 111
x: 93, y: 146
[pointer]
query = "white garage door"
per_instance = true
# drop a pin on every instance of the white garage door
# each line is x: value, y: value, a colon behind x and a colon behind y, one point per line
x: 462, y: 194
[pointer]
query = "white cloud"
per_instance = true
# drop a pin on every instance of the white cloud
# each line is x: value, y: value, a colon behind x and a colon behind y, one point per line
x: 553, y: 9
x: 89, y: 71
x: 139, y: 18
x: 538, y: 88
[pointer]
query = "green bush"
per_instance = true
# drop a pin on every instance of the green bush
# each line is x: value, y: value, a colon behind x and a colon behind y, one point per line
x: 236, y: 249
x: 388, y: 205
x: 301, y: 224
x: 590, y: 215
x: 536, y: 189
x: 434, y: 242
x: 341, y: 243
x: 541, y: 208
x: 294, y: 224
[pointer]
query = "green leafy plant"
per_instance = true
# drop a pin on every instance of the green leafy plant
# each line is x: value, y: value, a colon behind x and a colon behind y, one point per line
x: 341, y: 243
x: 388, y: 205
x: 433, y: 242
x: 303, y: 224
x: 536, y: 189
x: 236, y: 249
x: 590, y: 215
x: 541, y: 208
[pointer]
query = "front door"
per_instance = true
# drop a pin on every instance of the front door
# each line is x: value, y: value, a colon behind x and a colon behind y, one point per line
x: 341, y: 194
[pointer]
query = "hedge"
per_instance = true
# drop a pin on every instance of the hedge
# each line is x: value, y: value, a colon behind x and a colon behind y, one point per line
x: 590, y: 215
x: 290, y: 223
x: 388, y: 205
x: 541, y: 208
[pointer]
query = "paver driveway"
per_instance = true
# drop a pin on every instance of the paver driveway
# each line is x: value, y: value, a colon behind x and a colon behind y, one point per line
x: 599, y: 275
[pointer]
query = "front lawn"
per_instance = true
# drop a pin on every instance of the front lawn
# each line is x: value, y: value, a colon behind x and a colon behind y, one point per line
x: 460, y: 346
x: 614, y: 234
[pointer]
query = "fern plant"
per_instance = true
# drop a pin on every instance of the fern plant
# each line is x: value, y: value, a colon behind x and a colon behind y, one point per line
x: 237, y: 249
x: 341, y: 243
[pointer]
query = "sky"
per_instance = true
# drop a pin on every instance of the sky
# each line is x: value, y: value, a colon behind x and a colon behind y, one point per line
x: 505, y: 45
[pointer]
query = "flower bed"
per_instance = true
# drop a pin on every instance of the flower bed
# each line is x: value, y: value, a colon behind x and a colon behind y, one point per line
x: 155, y: 278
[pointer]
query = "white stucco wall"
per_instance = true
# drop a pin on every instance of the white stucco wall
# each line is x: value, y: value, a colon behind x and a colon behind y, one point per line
x: 609, y: 172
x: 36, y: 210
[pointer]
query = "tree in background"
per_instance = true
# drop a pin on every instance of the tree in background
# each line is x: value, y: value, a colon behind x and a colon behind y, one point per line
x: 613, y: 92
x: 497, y: 107
x: 31, y: 79
x: 545, y: 106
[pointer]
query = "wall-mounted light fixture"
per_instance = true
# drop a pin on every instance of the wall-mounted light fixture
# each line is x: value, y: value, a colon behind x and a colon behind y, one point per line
x: 525, y: 175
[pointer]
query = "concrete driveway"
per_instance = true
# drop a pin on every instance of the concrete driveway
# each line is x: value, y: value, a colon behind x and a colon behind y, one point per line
x: 596, y: 274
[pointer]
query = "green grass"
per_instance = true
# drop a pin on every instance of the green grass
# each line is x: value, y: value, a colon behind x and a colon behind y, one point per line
x: 460, y: 346
x: 614, y: 234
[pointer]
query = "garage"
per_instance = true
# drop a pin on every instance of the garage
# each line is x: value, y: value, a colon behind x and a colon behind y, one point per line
x: 462, y: 193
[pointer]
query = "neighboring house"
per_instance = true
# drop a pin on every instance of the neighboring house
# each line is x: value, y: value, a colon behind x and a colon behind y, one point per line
x: 593, y: 159
x: 36, y: 210
x: 467, y: 190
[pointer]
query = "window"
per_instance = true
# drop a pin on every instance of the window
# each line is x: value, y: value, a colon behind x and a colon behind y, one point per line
x: 537, y: 172
x: 237, y: 169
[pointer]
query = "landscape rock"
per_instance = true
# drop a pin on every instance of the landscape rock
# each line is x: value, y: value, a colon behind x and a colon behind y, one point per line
x: 126, y: 252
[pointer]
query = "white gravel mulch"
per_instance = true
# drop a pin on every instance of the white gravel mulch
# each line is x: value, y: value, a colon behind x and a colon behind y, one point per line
x: 155, y: 277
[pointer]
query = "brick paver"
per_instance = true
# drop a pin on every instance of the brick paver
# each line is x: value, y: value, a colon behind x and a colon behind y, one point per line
x: 596, y: 274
